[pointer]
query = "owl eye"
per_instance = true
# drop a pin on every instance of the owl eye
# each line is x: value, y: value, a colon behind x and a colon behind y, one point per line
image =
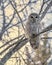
x: 36, y: 17
x: 31, y: 16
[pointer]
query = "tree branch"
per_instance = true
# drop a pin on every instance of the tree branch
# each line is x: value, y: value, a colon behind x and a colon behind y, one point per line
x: 20, y: 44
x: 46, y: 9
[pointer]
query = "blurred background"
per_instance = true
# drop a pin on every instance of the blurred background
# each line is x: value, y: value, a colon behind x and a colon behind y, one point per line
x: 14, y: 47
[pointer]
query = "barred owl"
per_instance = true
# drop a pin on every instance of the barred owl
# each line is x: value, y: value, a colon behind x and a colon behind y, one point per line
x: 32, y: 28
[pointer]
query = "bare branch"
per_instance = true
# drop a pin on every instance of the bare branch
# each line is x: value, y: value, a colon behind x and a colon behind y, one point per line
x: 46, y: 9
x: 41, y: 7
x: 11, y: 41
x: 4, y: 21
x: 45, y: 30
x: 10, y: 46
x: 13, y: 50
x: 17, y: 14
x: 10, y: 20
x: 46, y: 37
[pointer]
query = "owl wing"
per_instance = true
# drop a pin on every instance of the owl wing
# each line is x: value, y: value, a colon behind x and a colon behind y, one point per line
x: 28, y: 30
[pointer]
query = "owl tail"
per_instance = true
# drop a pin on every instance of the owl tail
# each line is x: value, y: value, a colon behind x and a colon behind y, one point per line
x: 34, y: 44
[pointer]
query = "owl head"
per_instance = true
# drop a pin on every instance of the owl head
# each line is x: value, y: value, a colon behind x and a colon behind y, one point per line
x: 33, y: 17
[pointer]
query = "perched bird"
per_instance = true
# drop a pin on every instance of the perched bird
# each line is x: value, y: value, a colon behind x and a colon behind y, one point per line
x: 32, y: 28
